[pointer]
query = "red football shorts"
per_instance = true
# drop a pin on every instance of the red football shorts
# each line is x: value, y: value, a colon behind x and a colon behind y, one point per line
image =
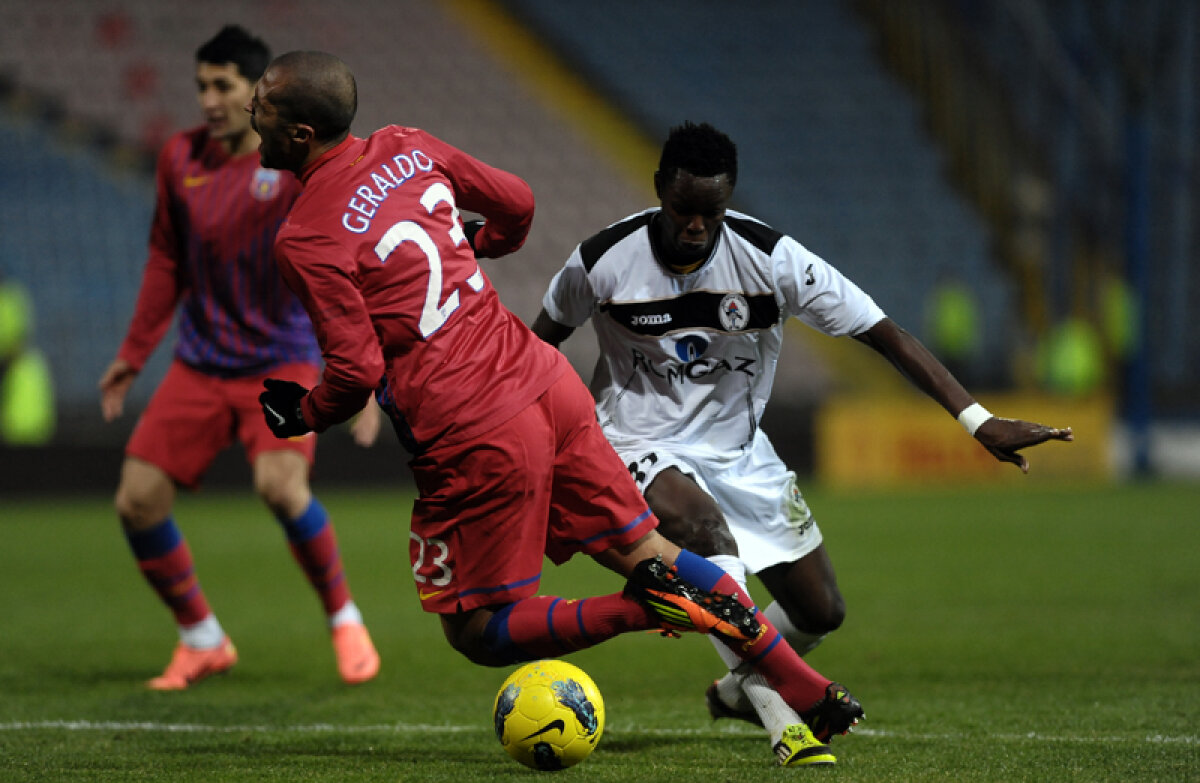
x: 192, y: 417
x: 544, y: 483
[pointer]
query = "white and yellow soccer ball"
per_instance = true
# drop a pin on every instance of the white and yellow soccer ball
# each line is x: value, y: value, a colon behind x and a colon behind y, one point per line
x: 549, y: 715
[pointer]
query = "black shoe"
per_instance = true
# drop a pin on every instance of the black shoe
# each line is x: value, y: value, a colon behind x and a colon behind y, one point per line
x: 837, y: 713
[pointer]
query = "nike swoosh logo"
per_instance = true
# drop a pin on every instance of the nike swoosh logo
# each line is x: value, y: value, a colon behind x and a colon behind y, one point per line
x: 191, y: 182
x: 279, y: 420
x: 554, y: 724
x: 423, y: 595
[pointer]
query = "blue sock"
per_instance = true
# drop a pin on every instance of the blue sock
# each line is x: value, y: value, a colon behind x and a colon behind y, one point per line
x: 706, y: 575
x: 498, y: 641
x: 154, y: 541
x: 310, y: 522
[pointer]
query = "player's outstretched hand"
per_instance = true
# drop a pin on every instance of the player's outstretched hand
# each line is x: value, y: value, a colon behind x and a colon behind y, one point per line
x: 281, y: 407
x: 1005, y: 437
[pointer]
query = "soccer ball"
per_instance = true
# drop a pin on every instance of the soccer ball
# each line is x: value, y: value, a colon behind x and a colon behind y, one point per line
x: 549, y: 715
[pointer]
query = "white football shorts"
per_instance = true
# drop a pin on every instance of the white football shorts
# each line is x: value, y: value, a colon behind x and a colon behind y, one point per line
x: 757, y: 493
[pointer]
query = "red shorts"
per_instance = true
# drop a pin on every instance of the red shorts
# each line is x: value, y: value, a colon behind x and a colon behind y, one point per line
x: 544, y: 483
x: 192, y: 417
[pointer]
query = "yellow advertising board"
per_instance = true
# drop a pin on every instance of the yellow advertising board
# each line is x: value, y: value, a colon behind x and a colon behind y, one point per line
x: 896, y: 440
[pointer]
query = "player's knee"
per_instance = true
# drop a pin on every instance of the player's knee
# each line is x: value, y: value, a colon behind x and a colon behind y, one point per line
x: 273, y: 494
x: 137, y: 510
x: 689, y: 516
x: 813, y: 609
x: 832, y: 617
x: 472, y: 646
x: 469, y: 649
x: 281, y: 478
x: 282, y: 491
x: 701, y: 532
x: 131, y: 513
x: 821, y: 616
x: 144, y: 495
x: 469, y: 635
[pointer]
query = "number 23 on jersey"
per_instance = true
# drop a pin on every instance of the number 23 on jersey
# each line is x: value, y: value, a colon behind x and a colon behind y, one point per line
x: 436, y: 310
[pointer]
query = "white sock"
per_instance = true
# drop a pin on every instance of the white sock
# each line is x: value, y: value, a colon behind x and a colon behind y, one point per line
x: 801, y: 641
x: 775, y: 713
x: 347, y: 614
x: 204, y: 635
x: 729, y: 687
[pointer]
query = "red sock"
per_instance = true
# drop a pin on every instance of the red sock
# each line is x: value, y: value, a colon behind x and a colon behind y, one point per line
x: 314, y: 545
x: 547, y: 626
x: 799, y: 684
x: 166, y: 562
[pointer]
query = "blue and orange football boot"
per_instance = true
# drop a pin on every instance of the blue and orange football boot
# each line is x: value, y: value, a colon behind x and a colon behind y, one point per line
x: 682, y: 606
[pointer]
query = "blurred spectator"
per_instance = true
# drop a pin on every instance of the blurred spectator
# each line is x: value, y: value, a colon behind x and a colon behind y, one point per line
x: 952, y: 317
x: 27, y: 410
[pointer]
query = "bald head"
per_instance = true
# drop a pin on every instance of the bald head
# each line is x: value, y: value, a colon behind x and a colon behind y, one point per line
x: 316, y: 89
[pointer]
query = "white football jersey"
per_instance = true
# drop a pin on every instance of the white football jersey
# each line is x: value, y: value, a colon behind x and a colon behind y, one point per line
x: 690, y: 359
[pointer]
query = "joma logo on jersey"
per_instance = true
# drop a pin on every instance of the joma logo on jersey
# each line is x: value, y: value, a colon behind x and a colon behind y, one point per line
x: 695, y: 370
x: 653, y: 319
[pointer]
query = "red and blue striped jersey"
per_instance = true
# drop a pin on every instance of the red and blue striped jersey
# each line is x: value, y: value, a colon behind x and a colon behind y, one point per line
x: 211, y: 255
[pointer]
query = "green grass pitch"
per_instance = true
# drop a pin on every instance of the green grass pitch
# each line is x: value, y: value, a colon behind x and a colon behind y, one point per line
x: 1032, y: 633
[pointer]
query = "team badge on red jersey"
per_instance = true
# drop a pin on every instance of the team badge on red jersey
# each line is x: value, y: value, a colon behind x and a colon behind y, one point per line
x: 265, y: 184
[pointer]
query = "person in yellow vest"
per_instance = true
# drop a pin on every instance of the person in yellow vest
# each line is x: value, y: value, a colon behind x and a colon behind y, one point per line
x: 27, y: 406
x: 953, y: 324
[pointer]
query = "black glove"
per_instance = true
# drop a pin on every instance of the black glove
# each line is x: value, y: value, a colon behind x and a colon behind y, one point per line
x: 281, y: 407
x: 471, y: 228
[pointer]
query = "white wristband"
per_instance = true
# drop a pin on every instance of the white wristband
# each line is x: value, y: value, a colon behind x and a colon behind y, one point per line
x: 973, y: 416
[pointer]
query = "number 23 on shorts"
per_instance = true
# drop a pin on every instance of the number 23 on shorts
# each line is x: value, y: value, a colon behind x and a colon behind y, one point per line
x: 429, y: 568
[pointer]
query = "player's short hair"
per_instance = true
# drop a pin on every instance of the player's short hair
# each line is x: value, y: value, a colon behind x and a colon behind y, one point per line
x: 701, y: 150
x: 234, y: 45
x: 320, y: 91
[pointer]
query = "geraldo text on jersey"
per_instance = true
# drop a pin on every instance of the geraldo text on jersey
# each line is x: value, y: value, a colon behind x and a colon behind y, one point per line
x: 367, y: 197
x: 678, y: 372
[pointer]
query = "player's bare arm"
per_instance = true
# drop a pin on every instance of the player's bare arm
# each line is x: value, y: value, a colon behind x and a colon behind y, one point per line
x: 549, y: 330
x: 910, y: 356
x: 364, y: 427
x: 1004, y: 438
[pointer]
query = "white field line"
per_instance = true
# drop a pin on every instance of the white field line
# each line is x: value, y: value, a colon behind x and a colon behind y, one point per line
x: 619, y: 728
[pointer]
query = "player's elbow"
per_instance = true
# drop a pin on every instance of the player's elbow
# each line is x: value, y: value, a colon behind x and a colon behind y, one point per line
x: 356, y: 379
x: 549, y: 330
x: 504, y: 234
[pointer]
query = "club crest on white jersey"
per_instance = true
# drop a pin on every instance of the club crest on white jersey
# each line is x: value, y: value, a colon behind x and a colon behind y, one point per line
x: 734, y: 312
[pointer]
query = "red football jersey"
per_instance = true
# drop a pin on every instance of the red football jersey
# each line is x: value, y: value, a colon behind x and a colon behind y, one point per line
x: 375, y: 249
x: 215, y: 219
